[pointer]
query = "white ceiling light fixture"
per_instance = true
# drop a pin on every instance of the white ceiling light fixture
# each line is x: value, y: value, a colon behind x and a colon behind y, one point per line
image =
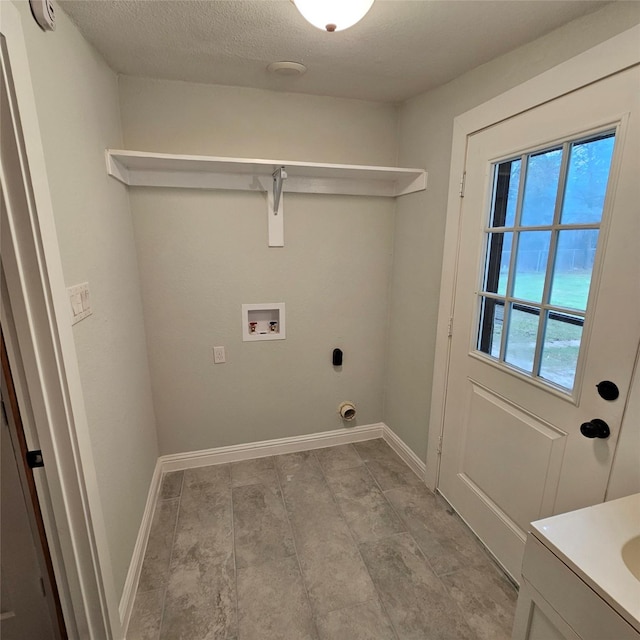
x: 333, y: 15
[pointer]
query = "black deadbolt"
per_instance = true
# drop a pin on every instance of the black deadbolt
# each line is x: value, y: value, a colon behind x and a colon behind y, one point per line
x: 608, y: 390
x: 337, y: 358
x: 595, y: 428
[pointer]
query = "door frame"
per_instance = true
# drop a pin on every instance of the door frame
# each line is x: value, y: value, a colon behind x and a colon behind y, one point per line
x: 41, y: 348
x: 605, y: 59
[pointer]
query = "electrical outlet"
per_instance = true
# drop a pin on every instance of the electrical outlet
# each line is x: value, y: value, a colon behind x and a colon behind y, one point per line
x: 218, y: 355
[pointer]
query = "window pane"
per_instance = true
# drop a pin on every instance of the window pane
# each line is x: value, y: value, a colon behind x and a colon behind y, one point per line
x: 587, y: 179
x: 574, y: 175
x: 541, y: 188
x: 497, y: 270
x: 521, y: 336
x: 560, y: 349
x: 505, y: 197
x: 531, y: 265
x: 571, y: 278
x: 491, y: 317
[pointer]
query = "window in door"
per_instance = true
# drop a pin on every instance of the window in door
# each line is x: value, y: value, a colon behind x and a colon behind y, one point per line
x: 541, y: 241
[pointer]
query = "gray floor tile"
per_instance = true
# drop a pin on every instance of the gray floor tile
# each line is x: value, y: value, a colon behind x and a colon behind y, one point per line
x: 258, y: 471
x: 487, y: 600
x: 171, y: 485
x: 206, y: 500
x: 336, y: 458
x: 155, y: 566
x: 300, y: 466
x: 376, y: 449
x: 332, y: 568
x: 391, y: 474
x: 206, y: 546
x: 204, y: 530
x: 205, y: 478
x: 201, y: 600
x: 261, y: 528
x: 386, y: 466
x: 415, y: 599
x: 146, y: 616
x: 304, y: 487
x: 363, y: 505
x: 444, y: 539
x: 365, y: 621
x: 203, y: 546
x: 288, y: 524
x: 272, y: 603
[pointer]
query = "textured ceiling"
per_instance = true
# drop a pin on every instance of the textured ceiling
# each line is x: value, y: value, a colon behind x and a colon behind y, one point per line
x: 400, y: 49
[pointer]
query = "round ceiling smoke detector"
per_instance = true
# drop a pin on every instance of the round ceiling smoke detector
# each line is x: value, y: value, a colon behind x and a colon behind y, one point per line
x: 290, y: 69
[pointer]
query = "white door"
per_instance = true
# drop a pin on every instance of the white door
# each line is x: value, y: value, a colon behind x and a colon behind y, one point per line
x: 547, y: 306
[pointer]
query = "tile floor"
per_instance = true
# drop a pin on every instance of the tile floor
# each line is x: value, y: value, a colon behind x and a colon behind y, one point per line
x: 343, y: 543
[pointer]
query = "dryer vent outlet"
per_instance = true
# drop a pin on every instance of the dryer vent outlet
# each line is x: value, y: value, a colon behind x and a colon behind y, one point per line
x: 347, y: 411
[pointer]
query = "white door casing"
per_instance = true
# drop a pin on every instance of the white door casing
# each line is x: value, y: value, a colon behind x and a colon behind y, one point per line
x: 511, y: 450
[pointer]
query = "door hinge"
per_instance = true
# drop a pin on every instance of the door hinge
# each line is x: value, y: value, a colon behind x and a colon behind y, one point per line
x: 463, y: 182
x: 4, y: 413
x: 34, y: 459
x: 439, y: 449
x: 450, y: 327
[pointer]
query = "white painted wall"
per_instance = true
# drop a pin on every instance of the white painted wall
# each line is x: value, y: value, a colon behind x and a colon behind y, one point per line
x: 425, y: 138
x: 77, y: 105
x: 202, y: 254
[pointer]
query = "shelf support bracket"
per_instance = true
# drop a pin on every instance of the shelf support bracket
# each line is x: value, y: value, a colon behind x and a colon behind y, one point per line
x: 275, y: 204
x: 279, y: 176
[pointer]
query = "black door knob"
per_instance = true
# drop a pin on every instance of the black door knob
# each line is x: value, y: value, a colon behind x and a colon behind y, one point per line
x: 595, y: 428
x: 608, y: 390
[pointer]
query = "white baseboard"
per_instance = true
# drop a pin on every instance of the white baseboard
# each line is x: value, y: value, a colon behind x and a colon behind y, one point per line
x: 135, y: 567
x: 251, y: 450
x: 248, y: 451
x: 407, y: 455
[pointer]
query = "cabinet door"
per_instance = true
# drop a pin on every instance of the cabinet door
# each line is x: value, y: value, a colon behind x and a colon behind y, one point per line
x: 537, y: 620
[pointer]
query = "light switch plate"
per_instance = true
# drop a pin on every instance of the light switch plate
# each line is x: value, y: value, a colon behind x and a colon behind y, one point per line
x: 79, y: 301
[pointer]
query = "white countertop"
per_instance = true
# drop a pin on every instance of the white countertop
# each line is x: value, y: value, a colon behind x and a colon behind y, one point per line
x: 590, y: 542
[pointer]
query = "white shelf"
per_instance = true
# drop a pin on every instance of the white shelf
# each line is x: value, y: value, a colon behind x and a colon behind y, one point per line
x: 142, y: 169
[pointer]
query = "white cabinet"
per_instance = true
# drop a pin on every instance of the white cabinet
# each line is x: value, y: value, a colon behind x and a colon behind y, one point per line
x: 555, y: 604
x: 579, y: 578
